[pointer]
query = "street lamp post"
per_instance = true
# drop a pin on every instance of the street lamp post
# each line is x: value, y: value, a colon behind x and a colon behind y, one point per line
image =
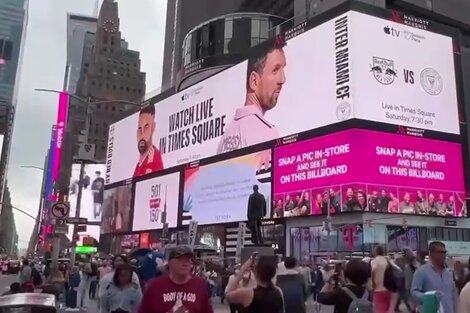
x: 19, y: 210
x: 88, y: 101
x: 35, y: 233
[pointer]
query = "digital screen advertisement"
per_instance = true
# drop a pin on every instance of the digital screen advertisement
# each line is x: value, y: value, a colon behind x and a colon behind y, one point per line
x: 233, y: 110
x: 116, y: 210
x: 130, y: 241
x: 358, y: 170
x: 390, y: 82
x: 403, y: 75
x: 219, y: 192
x: 154, y: 198
x: 92, y: 184
x: 59, y: 133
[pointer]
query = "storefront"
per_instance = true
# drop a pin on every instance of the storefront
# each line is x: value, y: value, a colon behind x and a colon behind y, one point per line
x: 308, y: 239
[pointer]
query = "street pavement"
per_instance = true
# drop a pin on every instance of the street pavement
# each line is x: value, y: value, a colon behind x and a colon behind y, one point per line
x: 218, y: 308
x: 7, y: 280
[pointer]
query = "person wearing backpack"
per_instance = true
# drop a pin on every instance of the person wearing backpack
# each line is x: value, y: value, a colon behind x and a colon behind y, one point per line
x: 384, y: 295
x: 353, y: 296
x: 93, y: 280
x: 293, y: 287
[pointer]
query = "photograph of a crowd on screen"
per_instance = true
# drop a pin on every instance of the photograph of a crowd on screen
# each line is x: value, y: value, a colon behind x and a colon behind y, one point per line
x: 362, y: 197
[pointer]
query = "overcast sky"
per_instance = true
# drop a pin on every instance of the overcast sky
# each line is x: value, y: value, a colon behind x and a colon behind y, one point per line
x: 142, y: 25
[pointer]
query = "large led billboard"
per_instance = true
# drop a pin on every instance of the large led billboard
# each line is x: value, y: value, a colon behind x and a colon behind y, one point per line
x: 403, y: 75
x: 218, y: 192
x: 363, y: 170
x: 153, y: 197
x: 353, y: 66
x: 92, y: 184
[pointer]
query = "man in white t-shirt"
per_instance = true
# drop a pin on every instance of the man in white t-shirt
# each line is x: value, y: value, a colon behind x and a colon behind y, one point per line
x: 382, y: 298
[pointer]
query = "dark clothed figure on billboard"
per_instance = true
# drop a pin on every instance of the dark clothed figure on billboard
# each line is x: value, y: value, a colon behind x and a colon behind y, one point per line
x: 255, y: 212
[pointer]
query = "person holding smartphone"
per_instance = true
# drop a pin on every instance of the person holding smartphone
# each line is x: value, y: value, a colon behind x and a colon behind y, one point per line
x: 265, y: 297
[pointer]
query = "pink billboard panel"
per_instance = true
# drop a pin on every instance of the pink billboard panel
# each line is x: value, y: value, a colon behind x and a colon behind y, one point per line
x: 376, y: 171
x: 60, y: 130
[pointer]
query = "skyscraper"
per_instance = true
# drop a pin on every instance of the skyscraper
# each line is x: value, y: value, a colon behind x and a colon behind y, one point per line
x: 8, y: 234
x: 107, y: 70
x: 77, y: 28
x: 13, y: 21
x: 214, y: 33
x: 110, y: 71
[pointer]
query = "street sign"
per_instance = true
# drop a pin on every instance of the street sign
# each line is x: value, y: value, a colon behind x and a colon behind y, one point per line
x: 60, y: 210
x: 81, y: 228
x: 61, y: 229
x: 192, y: 233
x: 59, y: 222
x: 452, y: 223
x: 77, y: 220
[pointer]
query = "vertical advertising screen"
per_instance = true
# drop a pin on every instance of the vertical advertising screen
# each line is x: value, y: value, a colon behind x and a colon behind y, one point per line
x: 59, y: 134
x: 92, y: 184
x: 49, y: 184
x: 116, y: 210
x: 155, y: 198
x: 365, y: 67
x: 362, y: 170
x: 218, y: 192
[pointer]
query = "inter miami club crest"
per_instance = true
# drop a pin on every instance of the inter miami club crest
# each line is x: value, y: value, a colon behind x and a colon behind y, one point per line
x: 343, y: 111
x: 431, y: 81
x: 383, y: 70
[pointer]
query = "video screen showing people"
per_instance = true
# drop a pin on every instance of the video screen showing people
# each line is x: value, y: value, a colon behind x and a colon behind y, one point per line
x: 369, y: 198
x: 307, y: 202
x: 386, y: 199
x: 117, y: 210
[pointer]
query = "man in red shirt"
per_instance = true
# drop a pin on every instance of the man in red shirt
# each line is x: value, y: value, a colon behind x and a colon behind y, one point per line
x: 179, y: 291
x: 150, y: 158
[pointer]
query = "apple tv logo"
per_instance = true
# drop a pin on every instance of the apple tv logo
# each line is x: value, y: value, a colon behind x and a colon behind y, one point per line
x: 391, y: 31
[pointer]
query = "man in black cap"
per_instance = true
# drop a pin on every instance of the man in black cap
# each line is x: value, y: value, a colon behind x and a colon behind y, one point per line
x: 255, y: 212
x: 179, y: 291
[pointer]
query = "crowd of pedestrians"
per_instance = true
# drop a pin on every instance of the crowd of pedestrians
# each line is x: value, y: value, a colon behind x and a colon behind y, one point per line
x: 411, y: 282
